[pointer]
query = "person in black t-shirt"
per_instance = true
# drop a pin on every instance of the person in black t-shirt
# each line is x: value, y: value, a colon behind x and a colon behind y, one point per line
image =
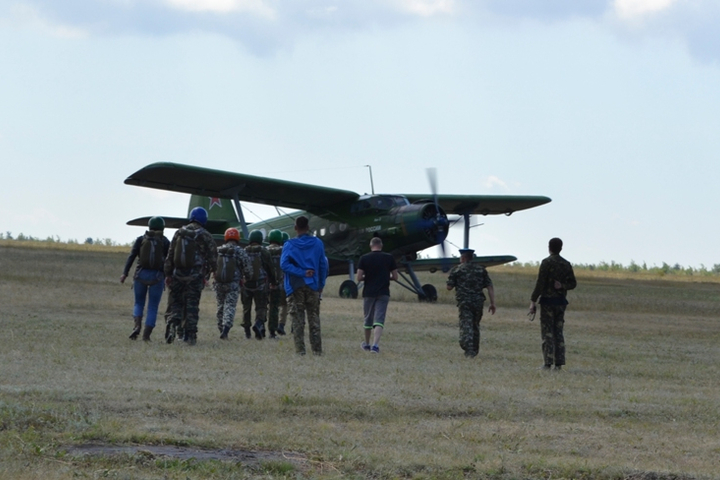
x: 376, y: 269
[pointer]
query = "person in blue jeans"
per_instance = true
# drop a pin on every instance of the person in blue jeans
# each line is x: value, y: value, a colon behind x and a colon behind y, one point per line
x: 150, y: 250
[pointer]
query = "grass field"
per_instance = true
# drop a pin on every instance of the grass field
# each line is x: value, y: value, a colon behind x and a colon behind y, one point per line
x: 639, y: 399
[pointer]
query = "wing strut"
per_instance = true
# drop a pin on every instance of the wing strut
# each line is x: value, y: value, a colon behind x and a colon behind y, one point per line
x: 466, y: 219
x: 241, y: 216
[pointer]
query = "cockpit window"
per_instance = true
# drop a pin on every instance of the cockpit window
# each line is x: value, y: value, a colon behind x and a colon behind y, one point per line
x: 378, y: 203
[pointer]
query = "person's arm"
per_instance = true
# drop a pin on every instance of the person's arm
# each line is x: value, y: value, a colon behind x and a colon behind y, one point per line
x: 134, y: 252
x: 359, y: 275
x: 394, y: 275
x: 491, y: 295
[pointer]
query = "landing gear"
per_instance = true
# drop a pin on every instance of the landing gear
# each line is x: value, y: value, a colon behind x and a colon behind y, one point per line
x: 429, y: 294
x: 348, y: 289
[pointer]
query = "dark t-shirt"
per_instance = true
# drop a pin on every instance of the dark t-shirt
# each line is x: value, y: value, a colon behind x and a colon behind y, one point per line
x: 377, y: 267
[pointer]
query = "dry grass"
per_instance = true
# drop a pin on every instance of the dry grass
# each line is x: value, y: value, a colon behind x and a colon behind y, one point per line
x: 639, y: 397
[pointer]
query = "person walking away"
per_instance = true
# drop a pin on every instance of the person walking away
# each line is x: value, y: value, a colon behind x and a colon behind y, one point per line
x: 305, y: 267
x: 555, y: 278
x: 469, y: 279
x: 256, y: 286
x: 376, y: 269
x: 191, y: 260
x: 150, y: 249
x: 233, y: 265
x: 276, y: 300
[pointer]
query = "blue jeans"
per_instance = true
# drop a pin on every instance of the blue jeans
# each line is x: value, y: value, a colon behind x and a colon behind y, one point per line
x: 152, y: 282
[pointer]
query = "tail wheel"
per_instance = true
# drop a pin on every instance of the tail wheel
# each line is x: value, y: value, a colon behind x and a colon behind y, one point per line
x: 348, y: 289
x: 429, y: 294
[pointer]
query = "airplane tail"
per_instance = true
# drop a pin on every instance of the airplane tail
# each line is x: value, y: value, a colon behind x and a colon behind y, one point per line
x: 219, y: 209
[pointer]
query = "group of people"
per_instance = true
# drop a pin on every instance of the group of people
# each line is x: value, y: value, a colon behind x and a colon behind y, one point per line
x: 555, y: 278
x: 287, y: 277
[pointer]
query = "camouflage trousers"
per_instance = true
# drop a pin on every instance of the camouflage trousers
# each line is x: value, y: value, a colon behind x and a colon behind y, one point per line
x: 260, y: 297
x: 227, y: 298
x: 470, y: 314
x: 552, y: 321
x: 277, y: 308
x: 183, y: 308
x: 303, y: 302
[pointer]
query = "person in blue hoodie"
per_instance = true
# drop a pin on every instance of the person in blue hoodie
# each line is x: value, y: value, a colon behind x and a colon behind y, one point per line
x: 305, y: 266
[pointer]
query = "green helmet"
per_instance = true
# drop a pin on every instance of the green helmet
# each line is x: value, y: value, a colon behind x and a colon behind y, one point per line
x: 256, y: 236
x: 285, y: 236
x: 275, y: 236
x: 156, y: 223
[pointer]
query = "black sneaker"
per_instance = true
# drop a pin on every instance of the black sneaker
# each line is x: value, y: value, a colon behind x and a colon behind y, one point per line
x: 248, y: 335
x: 224, y: 334
x: 170, y: 333
x: 281, y: 329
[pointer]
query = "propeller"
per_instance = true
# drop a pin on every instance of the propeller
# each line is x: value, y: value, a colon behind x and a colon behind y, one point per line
x: 441, y: 222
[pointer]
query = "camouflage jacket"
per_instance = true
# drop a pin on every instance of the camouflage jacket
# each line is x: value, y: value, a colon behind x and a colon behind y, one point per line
x: 207, y: 253
x: 469, y: 280
x: 553, y: 268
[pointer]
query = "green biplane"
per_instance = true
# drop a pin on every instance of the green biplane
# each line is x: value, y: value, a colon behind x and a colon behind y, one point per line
x: 344, y: 220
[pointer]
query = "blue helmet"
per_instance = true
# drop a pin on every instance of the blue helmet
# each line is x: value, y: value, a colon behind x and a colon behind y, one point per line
x: 198, y: 214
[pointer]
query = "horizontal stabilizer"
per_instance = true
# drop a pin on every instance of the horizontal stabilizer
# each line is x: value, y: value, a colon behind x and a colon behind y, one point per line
x: 176, y: 222
x: 433, y: 265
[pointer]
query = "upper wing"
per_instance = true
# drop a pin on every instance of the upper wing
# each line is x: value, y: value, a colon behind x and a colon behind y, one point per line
x: 248, y: 188
x: 433, y: 265
x: 483, y: 204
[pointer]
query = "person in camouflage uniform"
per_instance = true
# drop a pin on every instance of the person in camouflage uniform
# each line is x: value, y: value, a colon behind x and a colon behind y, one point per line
x: 305, y: 267
x: 276, y: 300
x: 185, y: 282
x: 227, y: 284
x: 555, y: 278
x: 256, y: 286
x: 469, y: 279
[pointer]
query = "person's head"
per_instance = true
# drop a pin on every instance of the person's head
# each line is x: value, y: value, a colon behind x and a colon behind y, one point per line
x: 275, y: 236
x: 376, y: 244
x: 199, y: 215
x: 256, y: 236
x: 156, y: 223
x: 285, y: 237
x: 555, y: 245
x: 232, y: 234
x: 466, y: 255
x: 302, y: 224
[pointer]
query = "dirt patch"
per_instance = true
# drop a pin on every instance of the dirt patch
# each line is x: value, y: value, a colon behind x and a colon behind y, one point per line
x: 244, y: 457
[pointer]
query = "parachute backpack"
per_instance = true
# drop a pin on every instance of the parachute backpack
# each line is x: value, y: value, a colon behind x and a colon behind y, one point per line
x: 152, y: 252
x: 226, y: 264
x: 258, y: 272
x: 186, y: 249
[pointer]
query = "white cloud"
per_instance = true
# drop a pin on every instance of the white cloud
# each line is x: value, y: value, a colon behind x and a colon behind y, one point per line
x: 631, y: 9
x: 493, y: 181
x: 427, y: 8
x: 28, y: 16
x: 257, y: 7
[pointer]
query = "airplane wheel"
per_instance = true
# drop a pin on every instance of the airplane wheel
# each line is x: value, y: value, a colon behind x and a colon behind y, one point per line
x: 429, y: 294
x: 348, y: 289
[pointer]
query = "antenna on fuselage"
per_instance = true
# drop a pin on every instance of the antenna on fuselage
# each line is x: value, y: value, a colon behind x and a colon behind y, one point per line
x: 372, y: 186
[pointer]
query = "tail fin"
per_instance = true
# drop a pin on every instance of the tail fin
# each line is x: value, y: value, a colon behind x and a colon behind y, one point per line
x: 218, y: 208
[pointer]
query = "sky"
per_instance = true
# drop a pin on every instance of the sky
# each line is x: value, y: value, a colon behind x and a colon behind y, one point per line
x: 609, y: 107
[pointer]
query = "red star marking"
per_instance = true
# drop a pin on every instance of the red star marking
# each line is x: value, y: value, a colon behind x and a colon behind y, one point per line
x: 215, y: 201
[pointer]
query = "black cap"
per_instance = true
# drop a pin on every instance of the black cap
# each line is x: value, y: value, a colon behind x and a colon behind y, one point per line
x: 466, y: 251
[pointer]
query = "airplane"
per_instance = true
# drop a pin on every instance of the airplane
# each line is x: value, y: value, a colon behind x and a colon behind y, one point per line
x: 344, y: 220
